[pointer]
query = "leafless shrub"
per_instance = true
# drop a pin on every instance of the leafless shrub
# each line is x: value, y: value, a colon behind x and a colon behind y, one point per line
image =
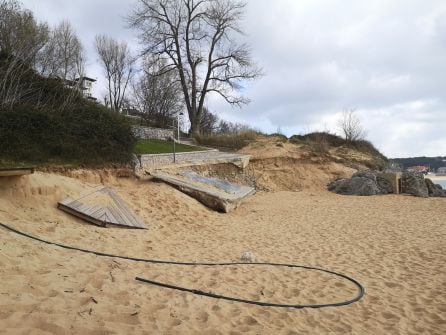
x: 319, y: 144
x: 351, y: 127
x: 62, y: 56
x: 118, y: 64
x: 157, y: 95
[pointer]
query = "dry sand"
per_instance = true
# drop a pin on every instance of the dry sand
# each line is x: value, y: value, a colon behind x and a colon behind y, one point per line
x: 394, y: 245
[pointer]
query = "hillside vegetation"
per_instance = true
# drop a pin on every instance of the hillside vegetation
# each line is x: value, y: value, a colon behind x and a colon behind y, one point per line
x: 321, y: 147
x: 48, y: 122
x: 433, y: 162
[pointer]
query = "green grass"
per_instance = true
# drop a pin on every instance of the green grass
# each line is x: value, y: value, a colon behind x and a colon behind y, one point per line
x: 161, y: 147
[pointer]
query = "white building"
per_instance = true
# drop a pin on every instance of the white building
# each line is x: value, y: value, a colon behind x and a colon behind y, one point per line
x: 85, y: 85
x: 441, y: 170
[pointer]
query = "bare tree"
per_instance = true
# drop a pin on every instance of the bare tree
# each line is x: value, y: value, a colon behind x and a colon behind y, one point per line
x: 62, y: 56
x: 157, y: 95
x: 196, y: 40
x: 231, y: 128
x: 21, y: 40
x: 351, y: 127
x: 118, y: 64
x: 208, y: 122
x: 20, y: 34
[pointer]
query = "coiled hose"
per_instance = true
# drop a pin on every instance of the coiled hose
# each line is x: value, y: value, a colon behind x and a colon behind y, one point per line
x: 358, y: 297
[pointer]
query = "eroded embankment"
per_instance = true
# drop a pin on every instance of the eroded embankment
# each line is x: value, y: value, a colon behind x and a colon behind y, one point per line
x: 280, y: 173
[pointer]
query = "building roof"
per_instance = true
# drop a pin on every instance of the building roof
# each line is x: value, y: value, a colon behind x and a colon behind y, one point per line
x: 86, y: 78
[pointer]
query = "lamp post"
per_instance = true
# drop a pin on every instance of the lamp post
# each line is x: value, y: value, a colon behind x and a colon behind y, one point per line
x: 178, y: 136
x: 178, y: 125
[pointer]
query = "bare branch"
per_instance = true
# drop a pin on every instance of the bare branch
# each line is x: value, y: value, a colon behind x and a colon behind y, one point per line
x: 351, y: 127
x: 196, y: 38
x: 118, y: 65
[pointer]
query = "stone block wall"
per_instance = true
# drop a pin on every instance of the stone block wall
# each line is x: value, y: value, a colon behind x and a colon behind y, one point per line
x: 394, y: 179
x: 152, y: 161
x: 180, y: 157
x: 149, y: 133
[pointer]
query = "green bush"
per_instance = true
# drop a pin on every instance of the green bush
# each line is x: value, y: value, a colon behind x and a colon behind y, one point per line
x: 48, y: 122
x: 85, y: 133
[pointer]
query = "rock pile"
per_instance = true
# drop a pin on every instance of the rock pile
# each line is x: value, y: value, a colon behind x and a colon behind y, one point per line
x: 373, y: 183
x: 362, y: 183
x: 434, y: 190
x: 413, y: 183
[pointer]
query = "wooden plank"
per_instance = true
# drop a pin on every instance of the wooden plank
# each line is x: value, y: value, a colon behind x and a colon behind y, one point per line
x: 80, y: 215
x: 117, y: 212
x: 124, y: 212
x: 16, y: 172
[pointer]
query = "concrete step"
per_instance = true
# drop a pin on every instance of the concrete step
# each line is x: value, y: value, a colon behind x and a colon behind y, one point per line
x: 217, y: 194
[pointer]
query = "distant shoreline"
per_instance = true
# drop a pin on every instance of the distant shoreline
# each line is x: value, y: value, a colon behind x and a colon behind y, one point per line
x: 434, y: 177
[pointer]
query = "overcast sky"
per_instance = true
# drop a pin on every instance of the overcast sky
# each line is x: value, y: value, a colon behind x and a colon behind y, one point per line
x: 384, y: 58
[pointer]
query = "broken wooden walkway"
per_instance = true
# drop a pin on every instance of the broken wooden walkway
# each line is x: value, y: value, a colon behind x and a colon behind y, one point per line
x: 101, y: 207
x: 13, y: 172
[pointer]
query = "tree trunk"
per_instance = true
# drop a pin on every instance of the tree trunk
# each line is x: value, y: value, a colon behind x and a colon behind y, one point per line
x: 194, y: 127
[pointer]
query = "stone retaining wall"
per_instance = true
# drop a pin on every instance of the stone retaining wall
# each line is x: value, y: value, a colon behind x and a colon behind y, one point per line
x: 166, y: 159
x: 149, y: 133
x: 191, y: 158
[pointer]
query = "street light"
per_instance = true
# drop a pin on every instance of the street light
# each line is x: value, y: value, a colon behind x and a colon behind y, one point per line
x: 178, y: 125
x: 178, y: 136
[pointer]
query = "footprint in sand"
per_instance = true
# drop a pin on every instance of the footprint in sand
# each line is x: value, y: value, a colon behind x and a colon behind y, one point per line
x: 216, y: 308
x: 249, y: 320
x: 388, y: 316
x: 203, y: 317
x: 392, y: 285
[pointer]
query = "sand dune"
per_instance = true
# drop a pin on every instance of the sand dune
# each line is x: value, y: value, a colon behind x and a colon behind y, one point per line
x: 394, y: 245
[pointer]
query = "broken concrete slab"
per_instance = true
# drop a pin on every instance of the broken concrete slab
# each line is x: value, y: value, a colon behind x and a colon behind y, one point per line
x: 217, y: 194
x: 224, y: 185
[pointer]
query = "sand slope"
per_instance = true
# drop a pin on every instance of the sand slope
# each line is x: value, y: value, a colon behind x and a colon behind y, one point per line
x: 394, y: 245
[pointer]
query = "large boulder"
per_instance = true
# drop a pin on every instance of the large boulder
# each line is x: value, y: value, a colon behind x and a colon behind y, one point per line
x: 370, y: 182
x: 362, y: 183
x: 434, y: 190
x: 366, y: 182
x: 384, y: 185
x: 413, y: 183
x: 368, y: 174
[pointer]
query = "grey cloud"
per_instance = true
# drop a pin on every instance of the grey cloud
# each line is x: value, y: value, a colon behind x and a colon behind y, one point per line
x: 383, y: 58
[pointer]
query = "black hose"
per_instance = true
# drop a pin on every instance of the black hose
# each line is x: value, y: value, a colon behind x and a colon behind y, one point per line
x: 359, y: 296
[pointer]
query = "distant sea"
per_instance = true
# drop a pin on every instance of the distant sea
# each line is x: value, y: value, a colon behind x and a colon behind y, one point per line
x: 441, y: 182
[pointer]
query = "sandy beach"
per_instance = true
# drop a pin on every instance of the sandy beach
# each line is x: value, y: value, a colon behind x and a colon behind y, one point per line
x: 435, y: 177
x: 393, y: 245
